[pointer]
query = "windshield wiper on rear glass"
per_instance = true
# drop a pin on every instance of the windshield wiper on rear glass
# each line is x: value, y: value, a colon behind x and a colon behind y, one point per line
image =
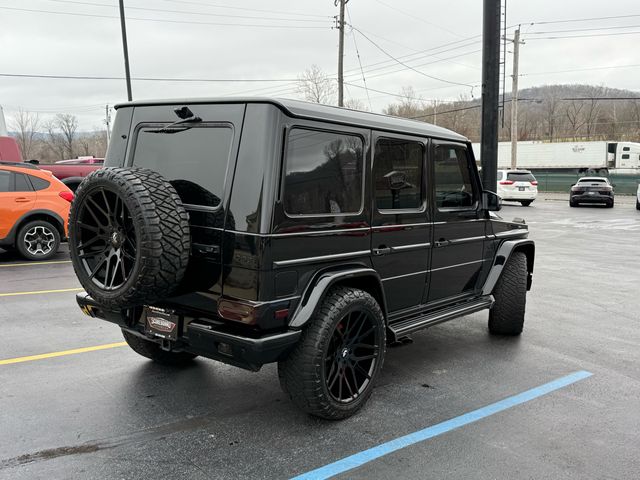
x: 177, y: 126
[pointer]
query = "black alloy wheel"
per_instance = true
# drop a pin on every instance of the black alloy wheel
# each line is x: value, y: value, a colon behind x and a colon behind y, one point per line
x: 352, y: 356
x: 106, y: 239
x: 332, y: 370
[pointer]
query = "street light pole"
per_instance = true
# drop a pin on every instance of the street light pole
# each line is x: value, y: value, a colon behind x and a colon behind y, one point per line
x: 125, y: 48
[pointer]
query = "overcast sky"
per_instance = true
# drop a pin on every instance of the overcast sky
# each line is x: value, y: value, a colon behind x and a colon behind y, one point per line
x: 279, y: 39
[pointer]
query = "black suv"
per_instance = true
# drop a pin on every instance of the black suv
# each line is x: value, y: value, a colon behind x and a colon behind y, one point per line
x: 253, y: 231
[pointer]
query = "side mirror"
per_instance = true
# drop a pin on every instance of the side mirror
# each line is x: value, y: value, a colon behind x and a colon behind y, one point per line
x: 491, y: 201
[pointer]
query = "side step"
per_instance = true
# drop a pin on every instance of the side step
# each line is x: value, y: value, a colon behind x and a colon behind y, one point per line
x: 410, y: 325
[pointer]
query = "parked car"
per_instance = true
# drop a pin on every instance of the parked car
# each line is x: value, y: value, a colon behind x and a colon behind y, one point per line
x: 517, y: 185
x: 592, y: 190
x: 34, y: 209
x: 72, y: 172
x: 257, y: 231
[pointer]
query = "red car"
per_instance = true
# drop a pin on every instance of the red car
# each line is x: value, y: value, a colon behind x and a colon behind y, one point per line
x: 72, y: 172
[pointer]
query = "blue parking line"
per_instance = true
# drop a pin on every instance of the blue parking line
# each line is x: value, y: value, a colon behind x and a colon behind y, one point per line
x: 366, y: 456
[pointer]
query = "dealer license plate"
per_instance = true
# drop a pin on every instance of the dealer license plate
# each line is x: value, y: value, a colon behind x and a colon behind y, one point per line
x: 161, y: 322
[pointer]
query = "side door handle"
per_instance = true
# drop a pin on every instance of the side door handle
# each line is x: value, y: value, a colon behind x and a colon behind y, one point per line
x: 382, y: 250
x: 441, y: 243
x: 21, y: 199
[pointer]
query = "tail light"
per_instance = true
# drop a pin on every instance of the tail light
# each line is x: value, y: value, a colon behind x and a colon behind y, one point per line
x: 67, y: 195
x: 236, y: 311
x: 534, y: 182
x: 506, y: 182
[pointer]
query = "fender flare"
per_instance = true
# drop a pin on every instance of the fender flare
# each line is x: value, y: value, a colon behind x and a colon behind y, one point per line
x: 318, y: 287
x: 502, y: 256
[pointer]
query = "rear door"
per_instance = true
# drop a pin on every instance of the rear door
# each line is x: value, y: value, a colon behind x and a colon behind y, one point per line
x: 459, y: 224
x: 198, y: 160
x: 401, y: 235
x: 16, y: 198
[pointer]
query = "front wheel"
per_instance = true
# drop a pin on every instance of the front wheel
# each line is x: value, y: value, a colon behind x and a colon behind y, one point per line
x: 332, y: 370
x: 510, y: 293
x: 153, y: 351
x: 38, y: 240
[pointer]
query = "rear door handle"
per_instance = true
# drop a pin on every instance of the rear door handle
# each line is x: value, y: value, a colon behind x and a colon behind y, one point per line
x: 381, y: 250
x: 22, y: 199
x: 441, y: 243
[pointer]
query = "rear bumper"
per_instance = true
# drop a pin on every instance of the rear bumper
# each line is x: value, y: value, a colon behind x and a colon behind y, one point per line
x: 517, y: 196
x: 204, y: 338
x: 591, y: 198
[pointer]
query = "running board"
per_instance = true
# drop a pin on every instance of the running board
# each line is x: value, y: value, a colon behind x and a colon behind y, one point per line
x: 410, y: 325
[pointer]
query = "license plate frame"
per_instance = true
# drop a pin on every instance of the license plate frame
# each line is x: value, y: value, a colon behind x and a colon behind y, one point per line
x: 521, y: 189
x: 161, y: 322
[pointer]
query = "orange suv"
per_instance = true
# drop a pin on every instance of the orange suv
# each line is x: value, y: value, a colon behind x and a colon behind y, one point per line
x: 34, y: 210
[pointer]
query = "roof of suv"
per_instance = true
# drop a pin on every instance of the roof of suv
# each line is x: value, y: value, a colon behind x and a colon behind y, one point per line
x: 307, y: 110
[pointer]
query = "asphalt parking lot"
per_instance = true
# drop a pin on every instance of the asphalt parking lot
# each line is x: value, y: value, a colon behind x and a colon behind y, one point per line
x: 107, y: 413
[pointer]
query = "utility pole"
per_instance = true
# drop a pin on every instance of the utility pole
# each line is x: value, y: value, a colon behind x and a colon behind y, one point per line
x: 490, y: 92
x: 125, y: 48
x: 107, y: 120
x: 341, y: 52
x: 514, y: 99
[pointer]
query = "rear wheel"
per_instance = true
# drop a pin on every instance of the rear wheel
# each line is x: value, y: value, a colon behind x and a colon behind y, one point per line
x: 510, y: 293
x: 526, y: 203
x: 332, y: 370
x: 153, y: 351
x: 611, y: 203
x: 637, y: 204
x: 38, y: 240
x: 573, y: 203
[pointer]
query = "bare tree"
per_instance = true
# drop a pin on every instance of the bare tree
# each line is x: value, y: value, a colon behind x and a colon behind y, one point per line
x: 575, y: 117
x: 316, y: 86
x: 54, y: 139
x: 355, y: 104
x: 410, y: 104
x: 26, y: 125
x: 68, y: 126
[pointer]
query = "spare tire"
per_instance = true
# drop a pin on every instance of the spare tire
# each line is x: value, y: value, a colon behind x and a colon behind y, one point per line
x: 128, y: 237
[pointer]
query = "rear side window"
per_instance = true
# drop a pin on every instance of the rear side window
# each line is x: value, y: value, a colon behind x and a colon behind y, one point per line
x: 22, y: 183
x: 625, y: 156
x: 323, y: 173
x: 193, y: 160
x: 5, y: 181
x: 454, y: 187
x: 39, y: 183
x: 520, y: 177
x: 397, y: 171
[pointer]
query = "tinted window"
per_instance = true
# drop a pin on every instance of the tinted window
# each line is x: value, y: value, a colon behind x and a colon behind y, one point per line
x: 5, y: 181
x: 38, y: 183
x: 593, y: 180
x: 193, y: 160
x: 520, y: 177
x: 397, y: 172
x: 22, y: 184
x: 626, y: 149
x: 454, y: 188
x: 323, y: 173
x: 625, y: 156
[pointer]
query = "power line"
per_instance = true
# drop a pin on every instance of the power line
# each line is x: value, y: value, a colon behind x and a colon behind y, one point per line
x: 583, y: 29
x: 77, y: 2
x: 413, y: 16
x: 409, y: 66
x: 279, y: 12
x: 584, y: 36
x: 147, y: 79
x: 571, y: 20
x: 364, y: 80
x: 579, y: 70
x: 189, y: 22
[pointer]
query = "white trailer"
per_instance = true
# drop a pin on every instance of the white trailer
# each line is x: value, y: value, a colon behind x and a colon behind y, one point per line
x: 581, y: 157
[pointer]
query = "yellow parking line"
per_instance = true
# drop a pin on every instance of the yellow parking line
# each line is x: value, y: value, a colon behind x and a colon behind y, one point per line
x: 13, y: 294
x: 62, y: 353
x: 30, y: 264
